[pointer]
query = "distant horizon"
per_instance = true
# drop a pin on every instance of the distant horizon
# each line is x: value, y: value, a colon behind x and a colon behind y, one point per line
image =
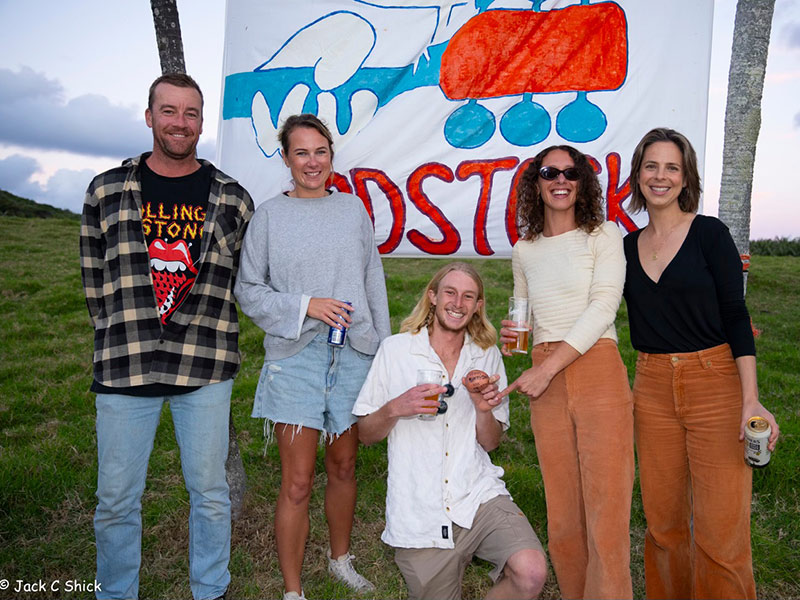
x: 77, y: 214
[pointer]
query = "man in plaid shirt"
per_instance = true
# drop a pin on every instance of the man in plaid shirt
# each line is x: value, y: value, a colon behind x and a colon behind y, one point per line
x: 160, y: 241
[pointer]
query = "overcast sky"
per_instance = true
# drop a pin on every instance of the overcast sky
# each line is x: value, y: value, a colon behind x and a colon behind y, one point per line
x: 74, y: 78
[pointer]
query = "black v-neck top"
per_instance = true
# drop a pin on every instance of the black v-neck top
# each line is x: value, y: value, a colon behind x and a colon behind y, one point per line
x: 697, y: 303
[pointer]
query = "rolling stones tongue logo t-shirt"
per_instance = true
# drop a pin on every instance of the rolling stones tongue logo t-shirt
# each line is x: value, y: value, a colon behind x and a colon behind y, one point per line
x: 173, y: 213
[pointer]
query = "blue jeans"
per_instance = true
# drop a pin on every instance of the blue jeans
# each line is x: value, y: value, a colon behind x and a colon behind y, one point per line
x: 126, y: 428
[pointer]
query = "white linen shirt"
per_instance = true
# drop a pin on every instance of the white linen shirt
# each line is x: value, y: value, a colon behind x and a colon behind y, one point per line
x: 438, y: 472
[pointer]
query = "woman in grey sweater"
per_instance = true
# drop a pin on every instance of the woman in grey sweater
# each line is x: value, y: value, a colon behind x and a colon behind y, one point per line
x: 310, y: 262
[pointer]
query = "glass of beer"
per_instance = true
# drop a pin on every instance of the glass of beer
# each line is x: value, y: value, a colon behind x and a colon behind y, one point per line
x: 430, y: 376
x: 518, y: 315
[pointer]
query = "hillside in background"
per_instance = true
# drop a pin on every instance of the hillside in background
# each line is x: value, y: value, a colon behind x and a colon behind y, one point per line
x: 14, y: 206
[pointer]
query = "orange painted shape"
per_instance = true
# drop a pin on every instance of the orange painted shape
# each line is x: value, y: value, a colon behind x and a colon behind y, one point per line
x: 508, y: 52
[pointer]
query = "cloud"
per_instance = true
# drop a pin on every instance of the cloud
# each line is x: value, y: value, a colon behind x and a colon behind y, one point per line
x: 791, y: 34
x: 34, y: 114
x: 15, y: 171
x: 64, y: 189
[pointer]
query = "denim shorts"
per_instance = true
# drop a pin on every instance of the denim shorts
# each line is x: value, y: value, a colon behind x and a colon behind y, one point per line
x: 314, y: 388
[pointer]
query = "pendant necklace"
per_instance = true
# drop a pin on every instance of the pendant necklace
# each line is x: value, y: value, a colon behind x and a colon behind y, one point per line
x: 663, y: 241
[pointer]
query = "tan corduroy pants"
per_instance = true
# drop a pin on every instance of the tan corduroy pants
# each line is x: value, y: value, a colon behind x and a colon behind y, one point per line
x: 695, y: 485
x: 583, y: 425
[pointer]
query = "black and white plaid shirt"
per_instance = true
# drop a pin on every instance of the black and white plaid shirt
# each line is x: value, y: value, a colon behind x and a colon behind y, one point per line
x: 199, y: 343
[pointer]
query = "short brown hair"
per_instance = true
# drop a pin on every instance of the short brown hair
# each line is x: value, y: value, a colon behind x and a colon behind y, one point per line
x: 176, y: 79
x: 588, y: 206
x: 689, y: 198
x: 303, y: 120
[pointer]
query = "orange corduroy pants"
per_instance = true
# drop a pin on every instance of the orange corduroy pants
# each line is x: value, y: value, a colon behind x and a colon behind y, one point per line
x: 696, y: 486
x: 583, y: 425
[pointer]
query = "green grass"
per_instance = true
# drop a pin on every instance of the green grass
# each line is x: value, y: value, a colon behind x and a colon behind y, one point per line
x: 48, y: 452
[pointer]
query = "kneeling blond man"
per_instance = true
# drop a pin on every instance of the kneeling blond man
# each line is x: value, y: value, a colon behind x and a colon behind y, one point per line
x: 446, y: 501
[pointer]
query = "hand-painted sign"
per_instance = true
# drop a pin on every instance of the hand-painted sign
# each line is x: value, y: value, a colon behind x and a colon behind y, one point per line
x: 413, y: 91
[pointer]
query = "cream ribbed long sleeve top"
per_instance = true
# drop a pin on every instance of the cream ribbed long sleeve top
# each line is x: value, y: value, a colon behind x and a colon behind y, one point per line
x: 573, y: 282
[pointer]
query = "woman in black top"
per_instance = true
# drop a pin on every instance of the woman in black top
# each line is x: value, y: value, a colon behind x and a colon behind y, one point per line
x: 695, y: 382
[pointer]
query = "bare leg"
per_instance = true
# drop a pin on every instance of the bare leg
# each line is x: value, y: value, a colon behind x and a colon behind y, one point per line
x: 340, y: 493
x: 298, y: 456
x: 523, y: 577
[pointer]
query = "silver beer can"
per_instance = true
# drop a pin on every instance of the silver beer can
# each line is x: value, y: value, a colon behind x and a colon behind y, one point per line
x: 756, y: 437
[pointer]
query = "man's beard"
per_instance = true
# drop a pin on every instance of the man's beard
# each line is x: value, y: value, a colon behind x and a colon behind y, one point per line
x: 445, y: 327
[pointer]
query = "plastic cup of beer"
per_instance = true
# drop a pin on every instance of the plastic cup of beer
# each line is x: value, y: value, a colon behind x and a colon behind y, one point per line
x: 518, y: 315
x: 429, y: 376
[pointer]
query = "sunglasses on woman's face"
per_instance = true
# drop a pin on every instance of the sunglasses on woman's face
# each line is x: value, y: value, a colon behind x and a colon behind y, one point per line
x: 551, y: 173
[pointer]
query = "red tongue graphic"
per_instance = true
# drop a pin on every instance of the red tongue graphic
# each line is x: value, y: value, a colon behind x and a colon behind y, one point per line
x: 173, y: 274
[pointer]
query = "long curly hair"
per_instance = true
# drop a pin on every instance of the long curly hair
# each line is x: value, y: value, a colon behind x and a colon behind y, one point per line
x: 530, y: 206
x: 479, y: 328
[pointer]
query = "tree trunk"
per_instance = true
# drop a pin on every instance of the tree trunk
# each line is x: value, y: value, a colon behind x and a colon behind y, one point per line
x: 170, y: 51
x: 751, y: 32
x: 234, y: 472
x: 168, y: 36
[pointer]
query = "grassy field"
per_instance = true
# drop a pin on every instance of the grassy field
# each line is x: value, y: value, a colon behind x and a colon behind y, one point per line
x: 48, y: 454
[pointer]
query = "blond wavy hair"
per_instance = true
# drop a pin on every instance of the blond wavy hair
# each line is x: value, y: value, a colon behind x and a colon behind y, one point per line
x: 479, y: 328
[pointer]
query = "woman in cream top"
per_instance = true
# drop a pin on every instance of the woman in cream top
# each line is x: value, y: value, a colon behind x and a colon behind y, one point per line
x: 571, y: 267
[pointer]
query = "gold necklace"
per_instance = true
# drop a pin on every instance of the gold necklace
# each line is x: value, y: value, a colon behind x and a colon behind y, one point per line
x: 664, y: 240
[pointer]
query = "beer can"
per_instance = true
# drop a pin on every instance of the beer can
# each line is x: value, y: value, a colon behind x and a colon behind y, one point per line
x: 756, y: 436
x: 336, y: 336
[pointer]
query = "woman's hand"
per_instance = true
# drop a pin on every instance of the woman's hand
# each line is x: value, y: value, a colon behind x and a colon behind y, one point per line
x: 754, y: 408
x: 533, y: 382
x: 330, y: 311
x: 508, y: 337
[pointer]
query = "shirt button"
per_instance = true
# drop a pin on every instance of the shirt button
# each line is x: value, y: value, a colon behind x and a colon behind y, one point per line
x: 447, y: 508
x: 445, y: 480
x: 447, y: 454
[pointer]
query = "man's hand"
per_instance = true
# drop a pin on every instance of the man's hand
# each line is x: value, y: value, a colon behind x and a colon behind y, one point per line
x: 376, y: 426
x: 487, y: 398
x: 488, y: 430
x: 413, y: 401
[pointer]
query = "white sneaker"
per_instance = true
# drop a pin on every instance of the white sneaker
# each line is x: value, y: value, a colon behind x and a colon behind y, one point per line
x: 343, y: 570
x: 293, y: 596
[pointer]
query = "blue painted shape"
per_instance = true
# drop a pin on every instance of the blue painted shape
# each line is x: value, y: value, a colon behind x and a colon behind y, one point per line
x: 526, y: 123
x: 581, y: 121
x: 385, y: 82
x: 482, y: 5
x: 470, y: 126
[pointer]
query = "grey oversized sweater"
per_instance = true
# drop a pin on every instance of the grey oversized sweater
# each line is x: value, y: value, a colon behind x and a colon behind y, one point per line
x: 299, y: 248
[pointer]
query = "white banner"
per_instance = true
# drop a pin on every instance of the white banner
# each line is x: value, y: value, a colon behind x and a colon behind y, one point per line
x: 436, y: 106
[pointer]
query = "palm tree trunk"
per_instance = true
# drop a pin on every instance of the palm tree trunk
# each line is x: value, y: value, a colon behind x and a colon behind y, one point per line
x: 170, y: 51
x: 751, y: 34
x: 168, y: 36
